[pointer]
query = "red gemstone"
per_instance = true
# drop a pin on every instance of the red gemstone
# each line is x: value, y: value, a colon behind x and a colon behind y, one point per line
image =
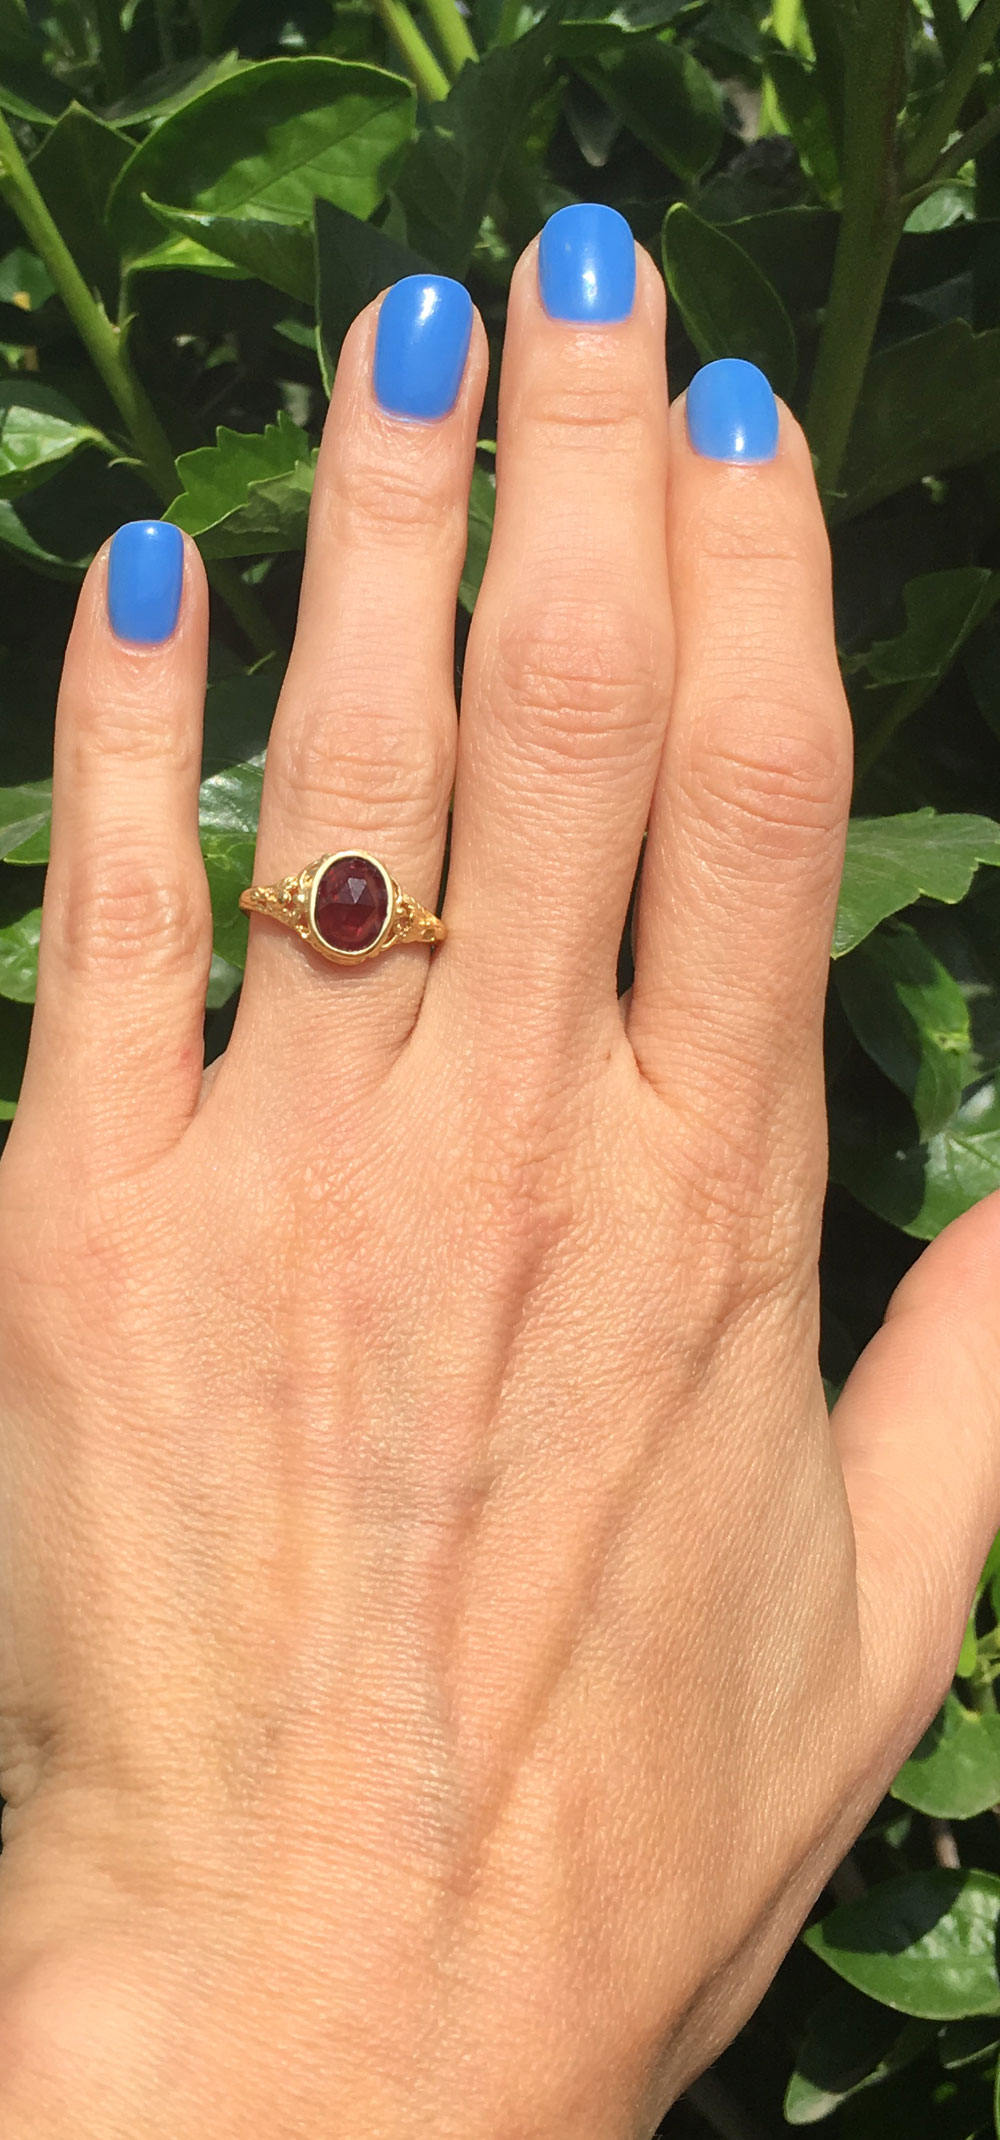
x: 351, y: 903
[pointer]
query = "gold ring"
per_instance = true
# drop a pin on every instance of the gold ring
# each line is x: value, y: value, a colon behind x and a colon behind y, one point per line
x: 347, y: 906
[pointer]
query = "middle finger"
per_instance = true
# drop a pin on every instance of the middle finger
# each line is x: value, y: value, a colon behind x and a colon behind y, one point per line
x: 567, y: 673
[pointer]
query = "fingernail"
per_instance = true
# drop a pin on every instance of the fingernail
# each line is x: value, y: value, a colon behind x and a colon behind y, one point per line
x: 586, y: 264
x: 732, y: 414
x: 421, y: 344
x: 145, y: 576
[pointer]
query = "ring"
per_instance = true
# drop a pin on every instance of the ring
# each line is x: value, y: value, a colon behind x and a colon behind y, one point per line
x: 347, y: 906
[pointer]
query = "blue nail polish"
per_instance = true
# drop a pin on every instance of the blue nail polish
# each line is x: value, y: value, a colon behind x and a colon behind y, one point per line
x: 145, y: 576
x: 421, y: 344
x: 586, y: 264
x: 732, y: 414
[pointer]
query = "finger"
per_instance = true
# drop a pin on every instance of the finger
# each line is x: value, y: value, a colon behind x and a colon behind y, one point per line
x: 568, y: 664
x: 362, y: 751
x: 918, y: 1432
x: 117, y: 1035
x: 745, y: 848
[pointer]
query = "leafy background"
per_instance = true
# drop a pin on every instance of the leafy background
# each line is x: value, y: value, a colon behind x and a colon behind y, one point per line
x: 196, y: 197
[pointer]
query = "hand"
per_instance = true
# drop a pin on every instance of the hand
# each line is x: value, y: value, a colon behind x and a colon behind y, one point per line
x: 446, y: 1646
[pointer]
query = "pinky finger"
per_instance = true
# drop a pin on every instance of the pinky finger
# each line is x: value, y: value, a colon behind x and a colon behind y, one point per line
x: 116, y: 1045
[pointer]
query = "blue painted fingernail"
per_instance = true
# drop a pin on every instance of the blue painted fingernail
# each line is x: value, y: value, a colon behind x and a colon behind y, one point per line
x: 421, y: 344
x: 732, y: 414
x: 145, y: 577
x: 586, y: 264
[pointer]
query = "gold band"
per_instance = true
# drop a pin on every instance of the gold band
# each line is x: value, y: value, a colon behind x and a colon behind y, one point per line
x: 347, y: 906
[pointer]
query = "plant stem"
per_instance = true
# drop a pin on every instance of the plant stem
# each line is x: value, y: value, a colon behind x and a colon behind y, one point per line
x: 101, y: 340
x: 944, y: 1846
x: 430, y: 78
x: 930, y: 138
x: 452, y: 32
x: 967, y: 147
x: 109, y: 31
x: 244, y: 606
x: 105, y: 347
x: 870, y: 226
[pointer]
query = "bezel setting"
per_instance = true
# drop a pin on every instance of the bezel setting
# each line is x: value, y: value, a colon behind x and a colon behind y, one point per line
x: 367, y: 951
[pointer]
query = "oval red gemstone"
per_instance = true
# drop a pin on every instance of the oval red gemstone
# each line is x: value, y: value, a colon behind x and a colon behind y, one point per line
x: 351, y: 903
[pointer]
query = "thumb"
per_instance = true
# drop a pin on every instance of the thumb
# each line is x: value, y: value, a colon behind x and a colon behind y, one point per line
x: 918, y: 1432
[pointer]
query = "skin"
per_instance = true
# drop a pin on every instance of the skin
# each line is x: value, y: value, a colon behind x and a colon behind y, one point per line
x: 445, y: 1643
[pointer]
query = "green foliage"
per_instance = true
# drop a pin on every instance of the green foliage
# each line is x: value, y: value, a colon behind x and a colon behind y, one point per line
x: 923, y: 1943
x: 729, y: 307
x: 954, y: 1773
x: 247, y: 495
x: 192, y: 211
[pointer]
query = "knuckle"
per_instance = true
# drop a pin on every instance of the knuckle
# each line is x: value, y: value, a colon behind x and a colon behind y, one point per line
x: 397, y: 771
x: 137, y: 723
x: 593, y: 402
x: 760, y: 767
x: 124, y: 908
x: 580, y: 675
x: 780, y: 538
x: 396, y: 495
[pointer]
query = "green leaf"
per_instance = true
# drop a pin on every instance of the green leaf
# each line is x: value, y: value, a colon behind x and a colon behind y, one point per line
x: 237, y: 719
x: 919, y: 1186
x: 942, y: 608
x: 911, y: 1017
x: 928, y: 404
x: 39, y: 429
x: 280, y: 254
x: 354, y: 261
x: 229, y: 808
x: 176, y: 252
x: 19, y: 957
x: 249, y: 493
x: 17, y: 538
x: 24, y: 276
x: 968, y: 1656
x: 891, y: 861
x: 635, y: 16
x: 850, y: 2043
x: 798, y: 90
x: 170, y: 87
x: 665, y: 97
x: 74, y: 170
x: 794, y: 249
x: 923, y: 1943
x: 15, y: 1027
x: 28, y: 88
x: 729, y: 308
x: 954, y: 1773
x: 459, y: 156
x: 482, y: 501
x: 24, y: 811
x: 268, y: 141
